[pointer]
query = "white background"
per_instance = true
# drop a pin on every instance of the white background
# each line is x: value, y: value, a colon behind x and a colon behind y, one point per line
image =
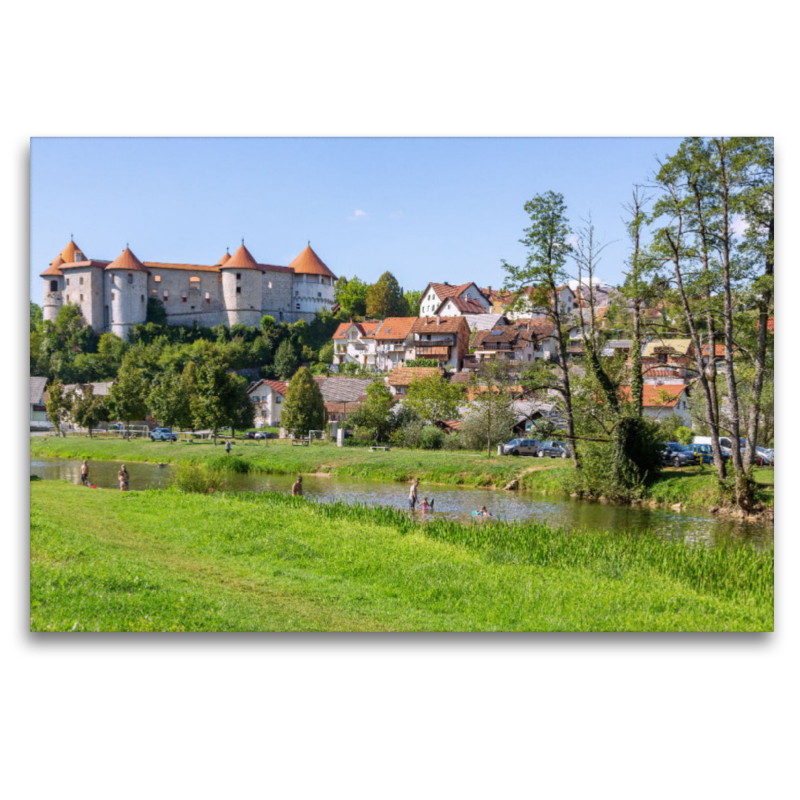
x: 634, y: 716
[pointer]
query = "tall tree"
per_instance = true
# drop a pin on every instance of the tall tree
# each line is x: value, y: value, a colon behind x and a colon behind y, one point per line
x: 434, y: 398
x: 169, y: 402
x: 303, y: 408
x: 545, y: 271
x: 375, y: 414
x: 127, y: 398
x: 491, y: 407
x: 385, y: 298
x: 58, y: 405
x: 216, y: 403
x: 88, y: 409
x: 351, y: 295
x: 286, y: 360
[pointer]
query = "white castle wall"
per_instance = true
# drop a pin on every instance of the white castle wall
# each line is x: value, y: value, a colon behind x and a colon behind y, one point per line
x: 175, y: 284
x: 276, y: 295
x: 86, y: 282
x: 312, y: 294
x: 241, y: 290
x: 52, y: 298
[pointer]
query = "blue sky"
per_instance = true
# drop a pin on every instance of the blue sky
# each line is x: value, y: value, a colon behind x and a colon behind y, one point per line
x: 425, y: 209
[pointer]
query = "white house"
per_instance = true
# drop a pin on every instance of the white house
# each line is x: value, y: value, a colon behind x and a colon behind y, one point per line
x: 393, y: 342
x: 267, y: 397
x: 565, y: 298
x: 663, y: 400
x: 435, y: 295
x: 352, y: 343
x: 39, y: 420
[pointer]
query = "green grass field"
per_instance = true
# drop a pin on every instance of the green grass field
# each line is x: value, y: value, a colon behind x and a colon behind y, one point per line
x: 102, y: 560
x: 693, y: 486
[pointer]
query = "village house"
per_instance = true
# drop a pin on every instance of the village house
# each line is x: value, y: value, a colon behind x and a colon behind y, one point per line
x: 662, y: 401
x: 443, y: 339
x: 515, y: 345
x: 39, y: 420
x: 435, y: 295
x: 267, y: 397
x: 393, y: 342
x: 400, y: 378
x: 352, y: 343
x: 565, y: 298
x: 542, y: 331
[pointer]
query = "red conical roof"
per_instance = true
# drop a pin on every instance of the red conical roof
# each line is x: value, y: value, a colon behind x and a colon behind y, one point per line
x: 53, y: 269
x: 241, y: 259
x: 127, y: 261
x: 309, y: 263
x: 68, y: 253
x: 224, y: 260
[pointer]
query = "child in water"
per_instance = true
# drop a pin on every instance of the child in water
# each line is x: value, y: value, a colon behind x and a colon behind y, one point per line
x: 483, y: 512
x: 424, y: 504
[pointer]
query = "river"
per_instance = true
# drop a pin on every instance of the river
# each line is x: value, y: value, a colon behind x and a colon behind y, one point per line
x: 449, y: 501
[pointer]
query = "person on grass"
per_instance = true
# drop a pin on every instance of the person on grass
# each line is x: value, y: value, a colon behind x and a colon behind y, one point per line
x: 228, y: 447
x: 412, y: 495
x: 85, y: 472
x: 297, y: 487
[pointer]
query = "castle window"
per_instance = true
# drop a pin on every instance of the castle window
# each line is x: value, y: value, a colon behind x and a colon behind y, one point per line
x: 130, y: 278
x: 319, y: 294
x: 298, y: 306
x: 112, y: 297
x: 155, y: 291
x: 81, y: 298
x: 157, y: 278
x: 194, y: 279
x: 78, y: 255
x: 238, y: 276
x: 208, y: 297
x: 238, y: 290
x: 53, y: 286
x: 80, y: 280
x: 184, y: 297
x: 67, y: 281
x: 143, y: 298
x: 269, y: 284
x: 166, y: 295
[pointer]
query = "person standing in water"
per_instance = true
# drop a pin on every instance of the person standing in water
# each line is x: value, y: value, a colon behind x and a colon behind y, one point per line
x: 297, y: 487
x: 123, y: 478
x: 412, y: 495
x: 85, y: 472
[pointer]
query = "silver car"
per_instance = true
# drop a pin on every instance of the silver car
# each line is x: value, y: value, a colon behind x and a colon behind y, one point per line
x: 521, y: 447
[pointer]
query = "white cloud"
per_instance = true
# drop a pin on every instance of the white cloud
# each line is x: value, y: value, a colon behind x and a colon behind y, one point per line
x: 740, y: 226
x: 357, y: 215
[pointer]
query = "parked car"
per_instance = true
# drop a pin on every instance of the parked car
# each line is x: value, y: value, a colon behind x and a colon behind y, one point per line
x: 764, y: 457
x: 679, y: 455
x: 703, y: 452
x: 163, y: 435
x: 554, y: 449
x: 521, y: 447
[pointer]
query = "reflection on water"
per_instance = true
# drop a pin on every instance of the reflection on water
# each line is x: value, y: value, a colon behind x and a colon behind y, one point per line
x: 451, y: 502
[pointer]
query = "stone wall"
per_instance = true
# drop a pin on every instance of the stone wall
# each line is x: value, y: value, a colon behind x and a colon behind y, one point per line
x: 276, y: 295
x: 92, y: 291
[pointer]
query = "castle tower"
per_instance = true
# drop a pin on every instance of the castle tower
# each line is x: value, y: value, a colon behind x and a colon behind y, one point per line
x: 125, y: 301
x: 241, y: 288
x: 53, y: 289
x: 81, y: 284
x: 313, y: 285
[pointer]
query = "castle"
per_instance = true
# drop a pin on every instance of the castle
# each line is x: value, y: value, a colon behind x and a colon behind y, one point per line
x: 112, y: 295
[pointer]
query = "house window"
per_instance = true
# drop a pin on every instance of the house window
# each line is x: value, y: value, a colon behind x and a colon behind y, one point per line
x: 53, y: 286
x: 278, y: 399
x: 130, y: 278
x: 157, y: 278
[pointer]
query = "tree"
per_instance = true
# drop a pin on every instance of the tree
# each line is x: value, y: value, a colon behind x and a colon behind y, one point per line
x: 326, y: 353
x: 267, y: 323
x: 545, y: 271
x: 217, y: 403
x: 385, y: 298
x: 88, y: 409
x: 375, y: 414
x: 111, y: 350
x: 303, y: 408
x: 491, y: 417
x: 127, y: 398
x: 434, y: 398
x: 170, y: 404
x: 58, y: 404
x: 286, y: 360
x: 351, y: 295
x: 412, y: 299
x: 36, y: 317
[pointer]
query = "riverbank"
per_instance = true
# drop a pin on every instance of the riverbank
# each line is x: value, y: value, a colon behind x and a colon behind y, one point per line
x: 164, y: 560
x: 690, y: 487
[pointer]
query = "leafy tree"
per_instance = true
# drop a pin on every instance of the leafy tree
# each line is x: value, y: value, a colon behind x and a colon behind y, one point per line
x: 545, y: 271
x: 303, y: 408
x: 127, y: 398
x: 217, y: 402
x: 351, y: 295
x: 169, y: 403
x: 111, y: 350
x: 385, y: 298
x: 36, y: 317
x: 491, y: 416
x: 88, y: 409
x: 58, y: 404
x: 326, y: 353
x: 434, y: 398
x: 156, y: 313
x: 375, y: 414
x: 267, y: 323
x: 412, y: 300
x: 286, y: 360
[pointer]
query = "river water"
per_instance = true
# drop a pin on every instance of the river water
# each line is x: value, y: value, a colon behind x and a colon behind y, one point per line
x: 449, y: 501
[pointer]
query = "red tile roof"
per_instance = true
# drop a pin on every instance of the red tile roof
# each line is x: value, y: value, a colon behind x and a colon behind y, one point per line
x: 365, y: 328
x: 464, y: 305
x: 278, y: 386
x: 393, y: 329
x: 309, y: 263
x: 440, y: 325
x: 53, y: 269
x: 665, y: 396
x: 404, y: 376
x: 223, y: 260
x: 68, y: 253
x: 127, y: 260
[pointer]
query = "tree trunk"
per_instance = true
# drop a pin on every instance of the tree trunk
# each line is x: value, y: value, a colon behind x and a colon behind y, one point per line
x: 566, y: 393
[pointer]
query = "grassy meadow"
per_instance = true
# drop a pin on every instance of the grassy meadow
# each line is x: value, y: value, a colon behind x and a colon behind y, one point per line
x: 162, y: 560
x: 693, y: 486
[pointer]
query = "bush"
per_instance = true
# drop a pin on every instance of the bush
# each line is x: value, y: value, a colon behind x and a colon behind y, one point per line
x: 199, y: 478
x: 412, y: 433
x: 431, y: 438
x: 452, y: 442
x: 228, y: 463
